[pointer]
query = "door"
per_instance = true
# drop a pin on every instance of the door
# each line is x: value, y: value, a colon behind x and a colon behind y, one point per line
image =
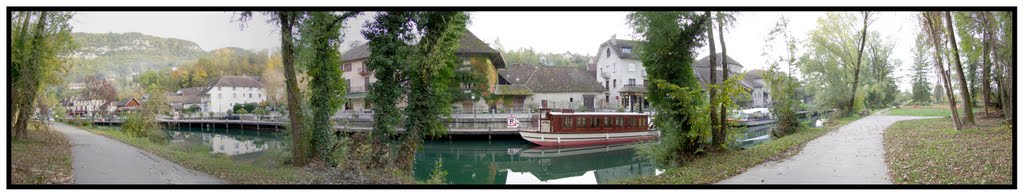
x: 588, y: 102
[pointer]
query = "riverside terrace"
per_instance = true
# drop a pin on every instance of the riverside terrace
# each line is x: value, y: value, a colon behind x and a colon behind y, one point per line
x: 460, y: 124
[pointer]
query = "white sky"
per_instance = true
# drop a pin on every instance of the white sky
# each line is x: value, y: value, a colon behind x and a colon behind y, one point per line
x: 577, y: 32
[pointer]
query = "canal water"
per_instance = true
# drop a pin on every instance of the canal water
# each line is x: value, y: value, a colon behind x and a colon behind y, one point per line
x: 468, y: 161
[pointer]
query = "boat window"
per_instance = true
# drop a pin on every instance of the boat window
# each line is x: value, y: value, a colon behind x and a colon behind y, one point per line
x: 640, y: 123
x: 618, y: 122
x: 607, y: 123
x: 581, y: 122
x: 594, y: 123
x: 567, y: 122
x: 630, y: 122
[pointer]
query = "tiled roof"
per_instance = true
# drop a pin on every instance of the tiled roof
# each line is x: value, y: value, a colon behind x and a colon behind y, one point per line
x: 551, y: 79
x: 617, y: 44
x: 186, y: 96
x: 753, y: 76
x: 513, y: 89
x: 232, y: 81
x: 703, y: 62
x: 469, y: 44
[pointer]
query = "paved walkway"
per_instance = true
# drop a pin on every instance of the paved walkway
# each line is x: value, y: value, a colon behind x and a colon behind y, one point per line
x: 853, y: 154
x: 101, y: 160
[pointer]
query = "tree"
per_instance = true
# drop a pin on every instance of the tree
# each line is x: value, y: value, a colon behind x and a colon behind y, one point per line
x: 287, y: 21
x: 38, y: 54
x: 415, y: 50
x: 782, y: 86
x: 715, y: 123
x: 723, y: 19
x: 832, y: 63
x: 919, y: 74
x: 965, y: 93
x: 321, y: 37
x: 929, y: 22
x: 667, y: 49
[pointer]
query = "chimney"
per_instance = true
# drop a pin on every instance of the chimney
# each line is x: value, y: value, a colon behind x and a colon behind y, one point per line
x: 613, y: 40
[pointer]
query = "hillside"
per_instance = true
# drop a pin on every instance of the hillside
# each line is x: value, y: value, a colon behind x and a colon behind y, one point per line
x: 122, y: 53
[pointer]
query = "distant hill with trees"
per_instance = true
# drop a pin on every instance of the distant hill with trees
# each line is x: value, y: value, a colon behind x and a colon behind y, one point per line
x: 109, y: 53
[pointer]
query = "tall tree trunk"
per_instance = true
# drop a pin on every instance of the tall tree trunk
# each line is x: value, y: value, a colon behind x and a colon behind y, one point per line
x: 965, y: 93
x: 943, y: 76
x: 299, y: 144
x: 29, y: 78
x: 860, y: 53
x: 987, y: 64
x: 720, y: 139
x: 711, y: 91
x: 13, y: 118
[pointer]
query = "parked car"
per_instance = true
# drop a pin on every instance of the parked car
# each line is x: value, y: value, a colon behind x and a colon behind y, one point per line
x: 232, y: 117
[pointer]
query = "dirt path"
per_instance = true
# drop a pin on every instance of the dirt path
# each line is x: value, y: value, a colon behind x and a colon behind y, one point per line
x: 853, y: 154
x: 101, y: 160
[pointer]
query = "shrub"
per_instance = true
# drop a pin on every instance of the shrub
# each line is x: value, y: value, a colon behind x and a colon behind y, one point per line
x: 438, y: 175
x: 139, y: 125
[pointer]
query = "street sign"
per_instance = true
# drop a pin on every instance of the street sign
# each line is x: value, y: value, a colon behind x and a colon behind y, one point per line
x: 512, y: 122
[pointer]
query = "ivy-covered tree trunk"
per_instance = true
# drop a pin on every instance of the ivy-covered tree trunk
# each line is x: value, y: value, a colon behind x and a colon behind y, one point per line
x: 321, y: 36
x: 986, y: 90
x: 964, y: 91
x: 389, y: 56
x: 432, y: 71
x: 287, y: 21
x: 667, y: 52
x: 29, y: 74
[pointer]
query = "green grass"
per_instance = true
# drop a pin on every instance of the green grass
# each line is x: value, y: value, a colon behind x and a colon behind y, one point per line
x: 214, y: 164
x: 931, y: 110
x: 718, y: 166
x: 44, y: 157
x: 930, y: 151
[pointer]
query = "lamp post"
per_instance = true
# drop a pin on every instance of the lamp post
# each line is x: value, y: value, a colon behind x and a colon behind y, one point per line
x: 472, y: 107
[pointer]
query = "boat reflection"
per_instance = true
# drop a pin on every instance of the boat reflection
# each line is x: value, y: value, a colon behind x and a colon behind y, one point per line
x: 518, y: 162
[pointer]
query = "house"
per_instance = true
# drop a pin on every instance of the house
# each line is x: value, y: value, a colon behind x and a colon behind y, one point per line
x: 561, y: 87
x: 128, y: 105
x: 224, y: 93
x: 76, y: 106
x: 359, y: 77
x: 185, y: 98
x: 752, y: 82
x: 759, y: 91
x: 620, y: 71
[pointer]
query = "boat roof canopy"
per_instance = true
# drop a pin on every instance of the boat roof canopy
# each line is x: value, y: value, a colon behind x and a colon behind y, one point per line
x: 755, y: 110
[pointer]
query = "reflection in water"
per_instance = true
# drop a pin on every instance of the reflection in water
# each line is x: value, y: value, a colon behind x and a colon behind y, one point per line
x: 519, y: 162
x: 235, y: 143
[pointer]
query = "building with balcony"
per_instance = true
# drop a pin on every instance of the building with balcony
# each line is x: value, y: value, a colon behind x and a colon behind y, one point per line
x: 621, y: 73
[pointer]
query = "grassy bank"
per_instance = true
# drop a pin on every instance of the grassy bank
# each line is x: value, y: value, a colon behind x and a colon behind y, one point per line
x: 929, y: 151
x: 928, y: 110
x: 44, y: 157
x: 718, y: 166
x: 203, y: 160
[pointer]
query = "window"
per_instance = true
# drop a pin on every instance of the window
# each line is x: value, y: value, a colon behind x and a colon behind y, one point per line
x: 259, y: 95
x: 615, y: 83
x: 626, y: 50
x: 219, y: 96
x: 608, y: 52
x: 618, y: 122
x: 632, y: 67
x: 593, y: 122
x: 632, y: 81
x: 235, y: 95
x: 234, y: 88
x: 567, y: 122
x: 347, y: 67
x: 570, y: 99
x: 607, y: 123
x: 581, y: 122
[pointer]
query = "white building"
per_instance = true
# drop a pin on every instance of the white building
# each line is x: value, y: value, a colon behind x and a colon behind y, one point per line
x: 620, y: 71
x: 759, y: 89
x: 228, y: 91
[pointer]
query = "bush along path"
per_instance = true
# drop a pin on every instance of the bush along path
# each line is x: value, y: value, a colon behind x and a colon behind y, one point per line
x: 852, y: 154
x: 101, y: 160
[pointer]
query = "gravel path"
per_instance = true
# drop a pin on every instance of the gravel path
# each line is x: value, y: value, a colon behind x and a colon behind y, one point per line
x: 853, y: 154
x: 101, y: 160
